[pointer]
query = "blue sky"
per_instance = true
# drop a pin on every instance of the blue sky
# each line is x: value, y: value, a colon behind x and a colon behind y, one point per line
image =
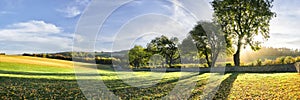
x: 36, y: 26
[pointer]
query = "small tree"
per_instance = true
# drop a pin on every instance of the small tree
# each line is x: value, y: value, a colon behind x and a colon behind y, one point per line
x: 188, y: 51
x: 165, y: 47
x: 138, y: 56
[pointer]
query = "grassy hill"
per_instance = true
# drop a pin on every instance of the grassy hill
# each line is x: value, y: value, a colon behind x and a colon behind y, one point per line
x: 30, y: 64
x: 42, y: 78
x: 34, y: 60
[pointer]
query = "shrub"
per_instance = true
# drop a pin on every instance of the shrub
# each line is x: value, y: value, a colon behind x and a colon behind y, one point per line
x: 252, y: 64
x: 177, y: 66
x: 279, y: 60
x: 27, y: 54
x: 228, y: 65
x: 268, y: 62
x: 297, y: 59
x: 103, y: 60
x: 258, y: 62
x: 289, y: 60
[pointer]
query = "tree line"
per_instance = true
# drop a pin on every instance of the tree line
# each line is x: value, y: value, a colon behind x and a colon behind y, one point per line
x: 238, y: 21
x: 203, y: 44
x: 78, y: 56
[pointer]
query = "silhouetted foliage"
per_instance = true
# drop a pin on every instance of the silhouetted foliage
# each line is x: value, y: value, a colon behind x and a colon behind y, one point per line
x: 209, y: 41
x: 241, y: 20
x: 166, y: 47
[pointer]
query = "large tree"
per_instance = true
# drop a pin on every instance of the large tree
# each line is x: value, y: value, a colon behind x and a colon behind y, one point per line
x: 165, y: 47
x: 209, y: 41
x: 188, y: 51
x: 241, y: 21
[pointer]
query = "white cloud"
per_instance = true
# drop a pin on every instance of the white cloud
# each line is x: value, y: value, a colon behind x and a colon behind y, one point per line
x: 34, y: 36
x: 284, y: 30
x: 153, y: 26
x: 75, y: 8
x: 182, y: 16
x: 71, y: 11
x: 137, y: 20
x: 34, y: 27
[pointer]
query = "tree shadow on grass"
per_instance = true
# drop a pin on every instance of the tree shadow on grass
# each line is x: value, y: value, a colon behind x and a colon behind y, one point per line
x: 153, y: 92
x: 225, y: 87
x: 51, y: 74
x: 34, y: 88
x: 38, y: 88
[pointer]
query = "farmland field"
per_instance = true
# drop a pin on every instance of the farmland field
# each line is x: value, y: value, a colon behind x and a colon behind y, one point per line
x: 41, y: 78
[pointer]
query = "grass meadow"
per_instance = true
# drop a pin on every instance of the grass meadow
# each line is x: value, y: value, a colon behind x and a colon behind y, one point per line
x: 42, y: 78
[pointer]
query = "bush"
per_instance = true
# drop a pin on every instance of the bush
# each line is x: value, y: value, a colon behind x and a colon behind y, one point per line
x: 103, y: 60
x: 279, y: 60
x: 289, y: 60
x: 297, y: 59
x: 268, y: 62
x: 258, y: 62
x: 177, y: 66
x: 228, y: 65
x: 27, y: 54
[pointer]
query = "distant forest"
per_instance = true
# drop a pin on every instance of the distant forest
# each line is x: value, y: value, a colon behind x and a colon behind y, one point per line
x: 89, y: 57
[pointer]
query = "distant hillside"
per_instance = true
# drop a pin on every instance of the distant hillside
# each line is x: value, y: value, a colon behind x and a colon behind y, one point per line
x: 269, y: 53
x: 89, y: 57
x: 101, y: 54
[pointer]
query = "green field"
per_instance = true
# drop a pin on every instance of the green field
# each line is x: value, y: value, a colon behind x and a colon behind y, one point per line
x: 39, y: 78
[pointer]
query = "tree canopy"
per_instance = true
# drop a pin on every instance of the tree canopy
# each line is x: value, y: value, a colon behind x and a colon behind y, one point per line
x: 165, y: 47
x: 138, y: 56
x: 209, y: 40
x: 241, y: 21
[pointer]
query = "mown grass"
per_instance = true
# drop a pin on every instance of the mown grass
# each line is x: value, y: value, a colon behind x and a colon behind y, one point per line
x: 44, y: 80
x: 19, y: 67
x: 284, y: 86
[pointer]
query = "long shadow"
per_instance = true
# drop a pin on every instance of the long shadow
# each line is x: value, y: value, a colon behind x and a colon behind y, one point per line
x: 156, y: 91
x: 34, y: 88
x: 39, y: 88
x: 225, y: 87
x: 173, y: 80
x: 51, y: 74
x: 97, y: 66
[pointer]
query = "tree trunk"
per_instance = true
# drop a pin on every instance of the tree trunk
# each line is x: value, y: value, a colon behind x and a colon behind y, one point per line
x: 236, y: 56
x: 207, y: 58
x: 214, y: 58
x: 167, y: 61
x: 171, y: 61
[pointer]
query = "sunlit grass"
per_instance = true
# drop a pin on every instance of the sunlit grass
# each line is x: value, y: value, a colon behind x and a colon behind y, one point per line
x: 24, y: 67
x: 285, y: 86
x: 42, y: 79
x: 36, y: 61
